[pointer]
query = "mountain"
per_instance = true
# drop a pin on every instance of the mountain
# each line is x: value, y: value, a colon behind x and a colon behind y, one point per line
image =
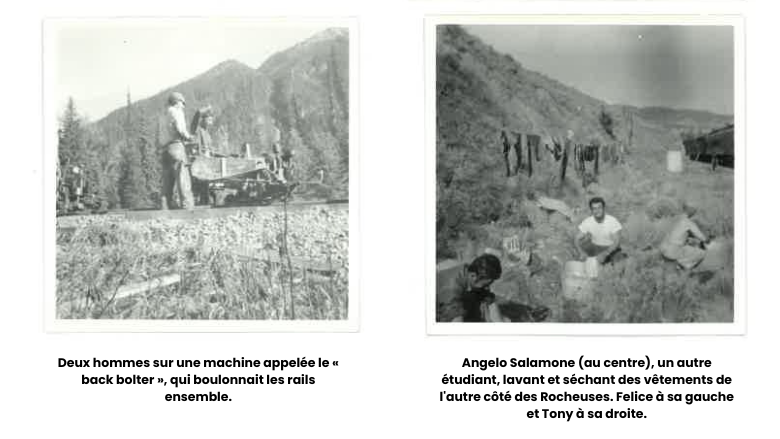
x: 218, y: 84
x: 481, y: 92
x: 492, y: 91
x: 303, y: 88
x: 685, y: 120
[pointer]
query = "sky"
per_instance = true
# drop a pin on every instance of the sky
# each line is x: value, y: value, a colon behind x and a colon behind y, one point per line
x: 690, y: 67
x: 96, y: 62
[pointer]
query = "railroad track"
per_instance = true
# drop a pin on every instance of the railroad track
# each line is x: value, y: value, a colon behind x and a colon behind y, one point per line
x: 201, y: 212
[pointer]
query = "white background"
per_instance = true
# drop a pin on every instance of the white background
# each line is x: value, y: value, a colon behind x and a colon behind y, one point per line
x: 388, y: 382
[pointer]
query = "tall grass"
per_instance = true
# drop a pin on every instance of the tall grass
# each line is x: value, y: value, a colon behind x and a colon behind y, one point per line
x: 645, y: 287
x: 94, y: 261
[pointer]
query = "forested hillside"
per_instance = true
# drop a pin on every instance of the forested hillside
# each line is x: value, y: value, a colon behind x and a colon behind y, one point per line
x: 481, y: 92
x: 304, y: 89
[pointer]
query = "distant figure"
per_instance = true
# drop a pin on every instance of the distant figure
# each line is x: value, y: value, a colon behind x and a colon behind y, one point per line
x: 599, y: 234
x: 321, y: 175
x: 176, y: 175
x: 77, y: 183
x: 72, y: 189
x: 201, y: 123
x: 677, y: 245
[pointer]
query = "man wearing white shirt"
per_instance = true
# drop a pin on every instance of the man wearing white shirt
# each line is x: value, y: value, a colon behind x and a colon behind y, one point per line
x: 599, y: 234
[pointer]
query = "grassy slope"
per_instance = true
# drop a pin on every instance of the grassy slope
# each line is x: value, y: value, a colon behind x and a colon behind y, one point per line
x: 480, y: 93
x: 217, y: 282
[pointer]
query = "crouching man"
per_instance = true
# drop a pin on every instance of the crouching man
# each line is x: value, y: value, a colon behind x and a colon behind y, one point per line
x: 473, y: 298
x: 599, y: 234
x: 685, y: 243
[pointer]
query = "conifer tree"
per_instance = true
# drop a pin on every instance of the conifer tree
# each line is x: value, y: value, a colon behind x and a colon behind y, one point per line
x: 132, y: 184
x: 71, y: 146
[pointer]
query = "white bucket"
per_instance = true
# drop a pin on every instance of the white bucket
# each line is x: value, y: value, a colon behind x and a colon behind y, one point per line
x: 575, y: 281
x: 674, y: 161
x: 592, y: 267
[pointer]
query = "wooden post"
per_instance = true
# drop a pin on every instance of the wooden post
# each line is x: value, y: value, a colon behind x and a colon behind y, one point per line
x: 139, y: 287
x: 151, y: 284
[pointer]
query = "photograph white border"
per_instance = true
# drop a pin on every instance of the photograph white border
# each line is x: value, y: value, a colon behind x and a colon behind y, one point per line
x: 50, y: 120
x: 739, y: 324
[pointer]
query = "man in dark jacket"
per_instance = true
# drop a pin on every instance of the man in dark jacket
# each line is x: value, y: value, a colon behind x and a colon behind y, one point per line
x: 471, y: 295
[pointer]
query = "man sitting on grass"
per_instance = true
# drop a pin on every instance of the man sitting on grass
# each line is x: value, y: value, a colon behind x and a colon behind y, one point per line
x: 476, y: 302
x: 599, y: 234
x: 680, y: 244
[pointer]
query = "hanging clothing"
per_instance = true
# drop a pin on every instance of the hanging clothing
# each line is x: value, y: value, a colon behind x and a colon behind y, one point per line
x: 533, y: 144
x: 505, y: 152
x: 518, y: 152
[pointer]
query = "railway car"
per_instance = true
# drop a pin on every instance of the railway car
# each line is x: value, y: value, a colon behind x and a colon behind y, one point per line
x: 715, y: 147
x: 234, y: 181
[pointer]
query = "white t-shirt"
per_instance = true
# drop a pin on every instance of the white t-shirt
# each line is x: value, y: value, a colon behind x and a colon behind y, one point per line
x: 601, y: 233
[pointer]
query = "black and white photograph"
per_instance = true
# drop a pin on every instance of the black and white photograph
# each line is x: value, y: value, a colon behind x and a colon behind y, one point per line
x: 203, y: 173
x: 586, y: 172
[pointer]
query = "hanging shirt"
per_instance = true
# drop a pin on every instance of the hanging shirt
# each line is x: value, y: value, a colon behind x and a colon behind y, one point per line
x: 533, y: 143
x: 505, y: 143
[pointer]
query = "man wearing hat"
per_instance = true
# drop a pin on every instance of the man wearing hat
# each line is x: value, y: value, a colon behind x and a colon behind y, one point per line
x: 176, y: 176
x: 201, y: 123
